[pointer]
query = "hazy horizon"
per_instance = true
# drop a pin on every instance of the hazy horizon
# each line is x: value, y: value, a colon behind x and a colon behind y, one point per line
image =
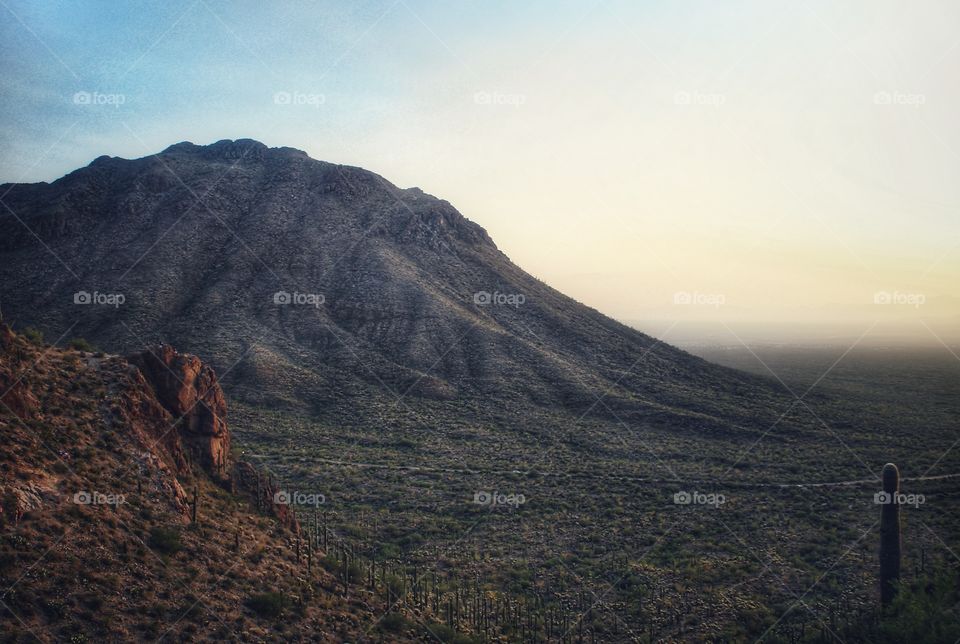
x: 709, y: 174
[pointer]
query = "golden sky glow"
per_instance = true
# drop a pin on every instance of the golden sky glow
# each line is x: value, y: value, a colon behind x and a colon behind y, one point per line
x: 796, y: 160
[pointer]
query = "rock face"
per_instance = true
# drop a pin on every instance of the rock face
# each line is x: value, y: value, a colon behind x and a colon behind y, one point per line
x: 188, y: 390
x: 168, y: 405
x: 139, y: 412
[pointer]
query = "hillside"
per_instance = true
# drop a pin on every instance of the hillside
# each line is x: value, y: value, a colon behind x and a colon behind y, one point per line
x: 100, y: 539
x: 393, y: 294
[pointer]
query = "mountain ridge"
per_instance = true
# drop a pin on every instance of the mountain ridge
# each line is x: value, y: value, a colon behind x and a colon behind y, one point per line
x: 200, y: 239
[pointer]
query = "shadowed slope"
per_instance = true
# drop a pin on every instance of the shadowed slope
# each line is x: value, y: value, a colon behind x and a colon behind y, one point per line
x: 199, y: 239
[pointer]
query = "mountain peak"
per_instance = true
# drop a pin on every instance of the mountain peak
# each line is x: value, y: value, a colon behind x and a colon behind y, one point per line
x: 200, y: 240
x: 231, y: 149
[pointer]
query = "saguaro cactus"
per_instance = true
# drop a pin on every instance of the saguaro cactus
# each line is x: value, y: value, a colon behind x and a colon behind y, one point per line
x: 889, y: 535
x: 193, y: 506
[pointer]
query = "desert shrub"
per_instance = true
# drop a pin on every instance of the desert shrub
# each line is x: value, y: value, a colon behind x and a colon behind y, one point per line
x: 445, y: 634
x: 165, y: 540
x: 922, y: 612
x: 33, y: 334
x: 354, y: 572
x: 393, y: 622
x: 80, y: 345
x: 93, y: 602
x: 387, y: 550
x: 193, y: 610
x: 394, y: 585
x: 55, y: 609
x: 269, y: 605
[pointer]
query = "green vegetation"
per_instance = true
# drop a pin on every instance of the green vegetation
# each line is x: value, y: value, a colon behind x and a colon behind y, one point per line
x: 165, y: 540
x: 34, y: 335
x: 81, y: 345
x: 446, y: 634
x: 269, y: 605
x: 599, y: 517
x: 394, y: 622
x: 924, y: 612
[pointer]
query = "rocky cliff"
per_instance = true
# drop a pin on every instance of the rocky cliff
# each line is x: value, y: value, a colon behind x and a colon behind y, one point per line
x: 189, y: 391
x: 116, y: 523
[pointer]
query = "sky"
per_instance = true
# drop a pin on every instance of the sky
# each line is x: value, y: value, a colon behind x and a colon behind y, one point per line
x: 708, y: 172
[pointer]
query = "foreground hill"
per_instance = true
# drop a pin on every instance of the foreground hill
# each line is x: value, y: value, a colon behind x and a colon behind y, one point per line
x: 117, y: 522
x: 313, y: 284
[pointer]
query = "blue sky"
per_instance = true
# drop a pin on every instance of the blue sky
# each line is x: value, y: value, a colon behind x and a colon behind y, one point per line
x: 794, y: 158
x: 208, y: 69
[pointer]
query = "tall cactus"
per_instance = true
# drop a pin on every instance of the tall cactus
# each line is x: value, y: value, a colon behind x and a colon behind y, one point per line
x: 890, y: 535
x: 193, y: 505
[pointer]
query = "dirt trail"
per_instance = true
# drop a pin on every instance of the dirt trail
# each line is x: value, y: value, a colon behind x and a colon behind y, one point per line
x: 639, y: 479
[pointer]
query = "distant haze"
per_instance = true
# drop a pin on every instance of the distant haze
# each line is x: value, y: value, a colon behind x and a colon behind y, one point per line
x: 708, y: 172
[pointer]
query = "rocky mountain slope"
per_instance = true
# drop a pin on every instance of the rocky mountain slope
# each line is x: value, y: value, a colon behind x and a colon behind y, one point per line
x: 122, y: 517
x: 315, y: 285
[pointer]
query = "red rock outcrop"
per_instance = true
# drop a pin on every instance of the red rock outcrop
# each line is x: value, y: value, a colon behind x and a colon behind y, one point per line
x: 188, y: 389
x: 184, y: 392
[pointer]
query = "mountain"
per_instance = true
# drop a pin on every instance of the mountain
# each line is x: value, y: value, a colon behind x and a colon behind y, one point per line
x: 495, y: 459
x: 123, y: 518
x: 325, y: 288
